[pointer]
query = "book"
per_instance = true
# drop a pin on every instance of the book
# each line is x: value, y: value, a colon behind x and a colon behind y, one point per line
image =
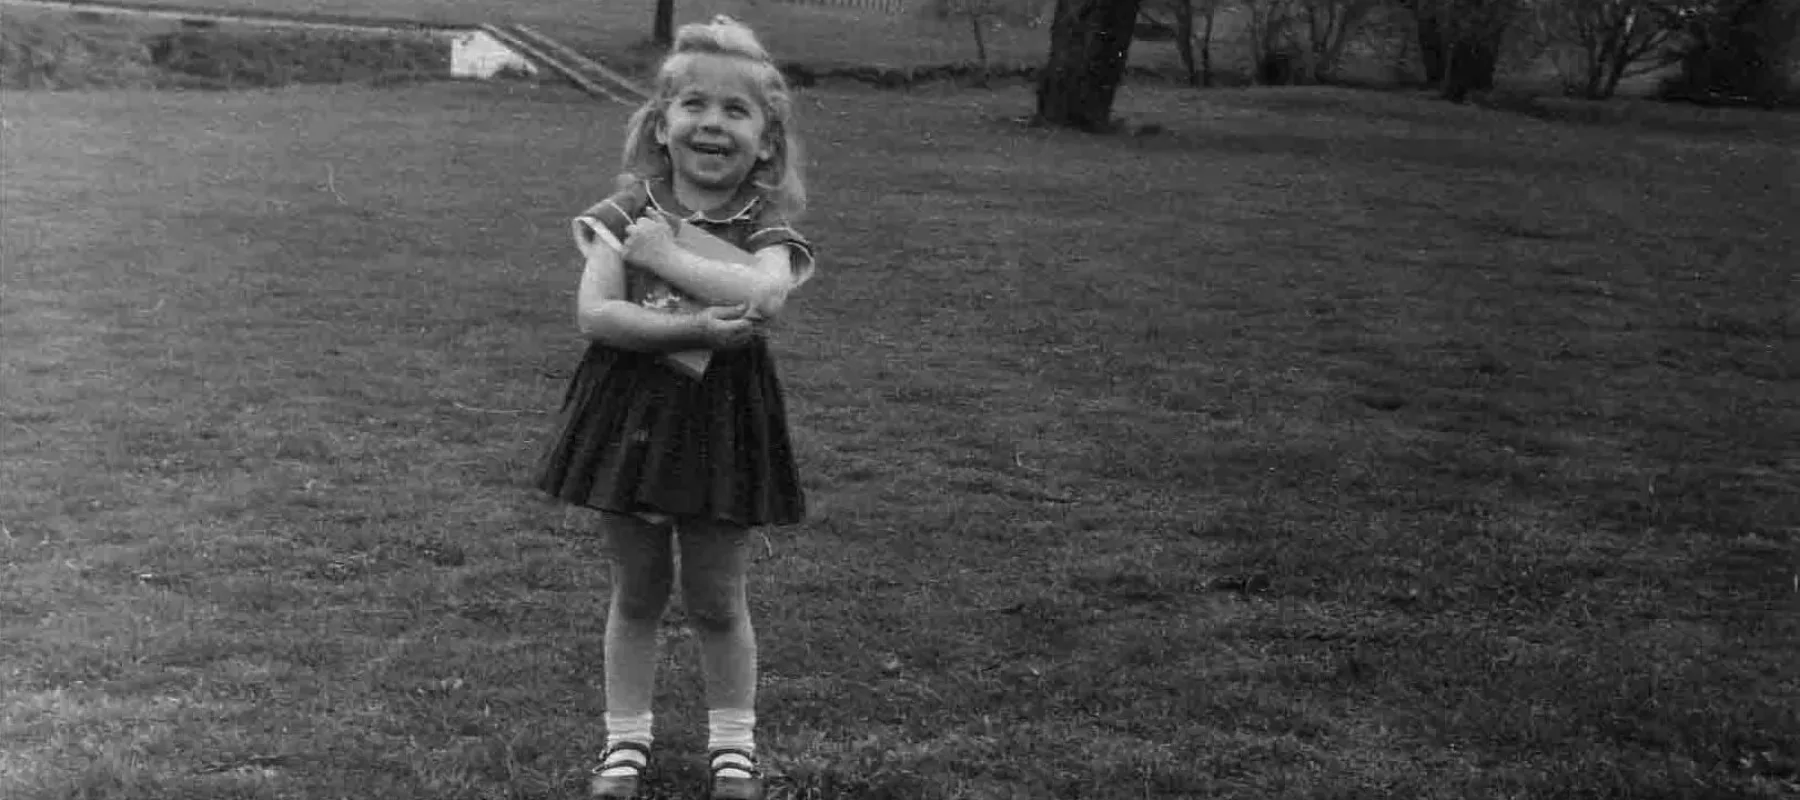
x: 650, y: 291
x: 693, y: 239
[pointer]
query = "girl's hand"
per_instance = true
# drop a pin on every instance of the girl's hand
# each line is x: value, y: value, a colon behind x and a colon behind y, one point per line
x: 649, y: 240
x: 728, y: 327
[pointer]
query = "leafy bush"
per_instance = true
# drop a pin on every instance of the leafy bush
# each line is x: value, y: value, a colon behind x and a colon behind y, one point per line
x: 1740, y: 52
x: 64, y: 52
x: 271, y: 58
x: 40, y: 54
x: 892, y: 77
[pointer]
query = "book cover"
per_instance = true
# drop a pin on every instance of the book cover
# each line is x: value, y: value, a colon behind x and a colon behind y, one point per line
x: 692, y: 238
x: 646, y: 289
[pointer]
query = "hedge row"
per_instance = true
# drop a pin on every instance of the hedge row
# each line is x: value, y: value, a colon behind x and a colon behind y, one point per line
x: 891, y: 77
x: 43, y: 54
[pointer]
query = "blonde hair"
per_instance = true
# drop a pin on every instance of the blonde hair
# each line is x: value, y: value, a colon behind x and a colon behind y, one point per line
x: 779, y: 176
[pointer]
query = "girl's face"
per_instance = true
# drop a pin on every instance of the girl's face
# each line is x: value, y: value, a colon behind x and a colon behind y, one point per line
x: 714, y: 126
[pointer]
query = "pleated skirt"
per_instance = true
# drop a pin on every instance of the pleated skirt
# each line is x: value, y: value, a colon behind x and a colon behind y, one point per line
x: 634, y: 436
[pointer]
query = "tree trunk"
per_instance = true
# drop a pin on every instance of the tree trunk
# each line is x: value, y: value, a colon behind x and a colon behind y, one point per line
x: 1311, y: 47
x: 1429, y: 24
x: 1089, y: 40
x: 1596, y: 68
x: 1471, y: 67
x: 1206, y: 39
x: 1184, y: 39
x: 1613, y: 76
x: 1403, y: 70
x: 663, y: 30
x: 975, y: 21
x: 1350, y: 18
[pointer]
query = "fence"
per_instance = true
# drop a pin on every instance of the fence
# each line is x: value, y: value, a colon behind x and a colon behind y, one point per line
x: 890, y: 7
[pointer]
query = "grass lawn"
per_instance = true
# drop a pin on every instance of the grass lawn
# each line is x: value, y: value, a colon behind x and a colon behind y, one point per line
x: 1330, y: 445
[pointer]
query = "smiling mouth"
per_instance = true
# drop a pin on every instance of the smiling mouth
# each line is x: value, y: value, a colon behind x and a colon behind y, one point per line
x: 710, y: 149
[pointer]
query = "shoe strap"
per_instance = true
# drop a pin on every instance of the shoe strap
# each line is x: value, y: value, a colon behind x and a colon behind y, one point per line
x: 606, y: 758
x: 750, y: 757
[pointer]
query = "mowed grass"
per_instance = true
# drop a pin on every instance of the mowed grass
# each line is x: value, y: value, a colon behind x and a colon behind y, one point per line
x: 1330, y: 445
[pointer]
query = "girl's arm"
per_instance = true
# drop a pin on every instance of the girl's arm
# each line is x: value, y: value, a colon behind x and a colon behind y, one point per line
x: 604, y: 315
x: 762, y: 289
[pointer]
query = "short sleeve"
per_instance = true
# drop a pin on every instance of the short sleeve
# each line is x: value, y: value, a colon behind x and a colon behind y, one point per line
x: 605, y: 221
x: 774, y: 229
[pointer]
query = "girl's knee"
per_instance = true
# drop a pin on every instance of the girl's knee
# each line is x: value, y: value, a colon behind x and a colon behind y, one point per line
x: 641, y: 591
x: 642, y: 558
x: 716, y: 609
x: 640, y: 602
x: 714, y: 562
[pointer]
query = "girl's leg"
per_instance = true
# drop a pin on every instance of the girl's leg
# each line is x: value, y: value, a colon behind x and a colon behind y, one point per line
x: 715, y: 562
x: 642, y: 572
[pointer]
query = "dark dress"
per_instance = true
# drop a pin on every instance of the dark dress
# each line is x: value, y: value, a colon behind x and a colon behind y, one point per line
x: 635, y: 436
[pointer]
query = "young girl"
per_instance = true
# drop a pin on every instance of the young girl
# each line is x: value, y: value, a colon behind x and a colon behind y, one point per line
x: 660, y: 453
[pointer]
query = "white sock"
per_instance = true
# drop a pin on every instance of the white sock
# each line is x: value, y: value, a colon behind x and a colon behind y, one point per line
x: 631, y: 726
x: 734, y: 728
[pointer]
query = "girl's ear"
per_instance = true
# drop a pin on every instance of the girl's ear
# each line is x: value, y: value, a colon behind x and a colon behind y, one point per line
x: 767, y: 151
x: 662, y: 130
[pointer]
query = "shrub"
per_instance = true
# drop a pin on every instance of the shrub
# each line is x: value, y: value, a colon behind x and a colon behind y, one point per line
x: 1740, y: 52
x: 268, y: 58
x: 42, y: 54
x: 70, y: 52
